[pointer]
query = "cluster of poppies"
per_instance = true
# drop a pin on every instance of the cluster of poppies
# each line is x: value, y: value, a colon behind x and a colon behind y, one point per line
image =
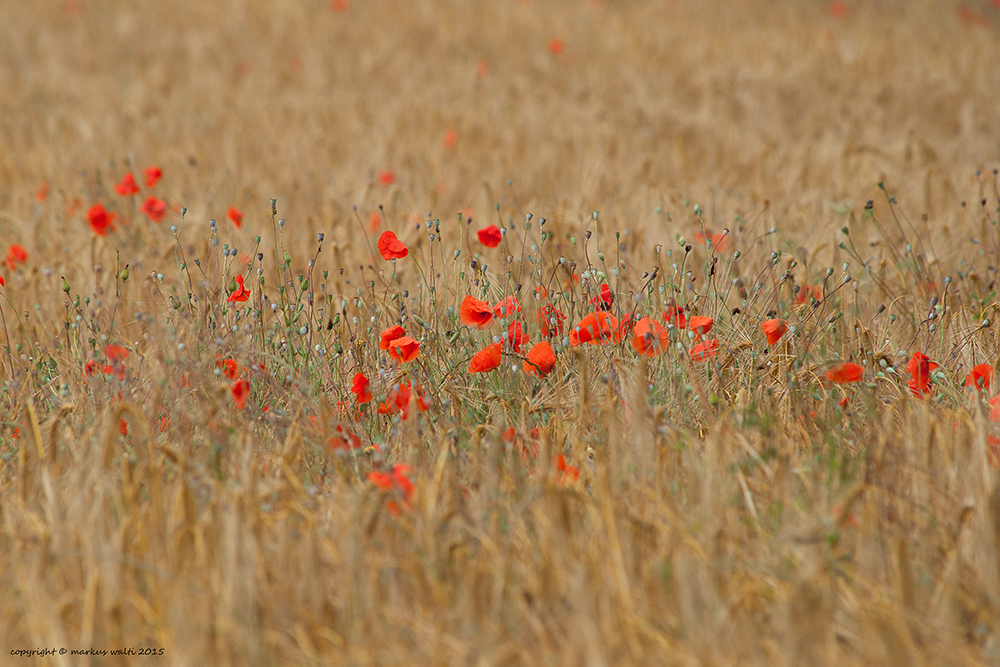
x: 16, y: 254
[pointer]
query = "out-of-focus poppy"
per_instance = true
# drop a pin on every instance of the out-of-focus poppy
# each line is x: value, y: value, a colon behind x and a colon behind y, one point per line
x: 387, y: 177
x: 541, y: 359
x: 229, y: 367
x: 153, y: 175
x: 703, y: 351
x: 507, y: 307
x: 674, y: 315
x: 360, y: 387
x: 16, y: 254
x: 516, y: 336
x: 980, y: 377
x: 568, y: 475
x: 42, y: 193
x: 100, y: 220
x: 344, y: 439
x: 649, y: 338
x: 116, y: 355
x: 474, y: 312
x: 845, y: 373
x: 450, y: 138
x: 236, y: 215
x: 391, y: 247
x: 700, y: 324
x: 556, y: 46
x: 490, y: 236
x: 127, y: 187
x: 920, y: 368
x: 717, y: 240
x: 550, y: 320
x: 241, y: 391
x: 774, y: 330
x: 396, y: 485
x: 155, y: 208
x: 595, y: 328
x: 485, y: 360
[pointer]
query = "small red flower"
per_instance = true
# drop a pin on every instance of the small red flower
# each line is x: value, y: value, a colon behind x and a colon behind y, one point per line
x: 387, y: 177
x: 241, y: 293
x: 595, y: 328
x: 241, y: 391
x: 703, y: 351
x: 2, y: 283
x: 16, y: 254
x: 391, y: 247
x: 153, y: 175
x: 507, y: 307
x: 837, y: 9
x: 116, y: 355
x: 90, y: 368
x: 482, y: 68
x: 390, y: 334
x: 845, y: 373
x: 340, y: 6
x: 604, y: 300
x: 127, y: 187
x: 474, y: 312
x: 100, y: 220
x: 403, y: 349
x: 490, y: 236
x: 674, y: 315
x: 550, y: 320
x: 450, y: 138
x: 229, y: 367
x: 716, y: 239
x: 360, y: 387
x: 980, y: 377
x: 700, y: 324
x: 236, y: 215
x: 485, y: 360
x: 568, y: 475
x: 649, y: 338
x: 774, y: 330
x: 516, y: 336
x: 42, y: 193
x: 556, y: 46
x: 155, y: 208
x: 396, y: 485
x: 344, y: 439
x: 920, y: 368
x: 541, y: 360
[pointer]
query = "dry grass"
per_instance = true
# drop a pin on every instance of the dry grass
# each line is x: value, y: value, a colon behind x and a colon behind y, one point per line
x: 728, y: 512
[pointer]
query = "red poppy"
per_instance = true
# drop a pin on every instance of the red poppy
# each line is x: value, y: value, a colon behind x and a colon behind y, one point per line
x: 837, y: 9
x: 42, y: 193
x: 474, y: 312
x: 360, y: 387
x: 556, y: 46
x: 90, y: 368
x: 387, y: 177
x: 404, y: 348
x: 807, y: 291
x: 344, y: 439
x: 123, y: 428
x: 703, y: 351
x: 241, y: 293
x: 390, y: 247
x: 550, y: 320
x: 541, y: 360
x: 340, y: 5
x: 482, y: 68
x: 605, y: 299
x: 229, y: 367
x: 399, y: 400
x: 116, y: 355
x: 845, y: 373
x: 100, y: 220
x: 649, y: 338
x: 236, y: 215
x: 716, y: 239
x: 774, y: 330
x: 568, y: 475
x: 241, y: 391
x: 700, y: 324
x: 596, y: 328
x: 155, y: 208
x: 995, y: 408
x: 920, y: 368
x: 16, y: 254
x: 674, y: 315
x: 390, y: 334
x: 127, y: 187
x: 485, y: 360
x: 507, y: 307
x: 980, y: 377
x: 516, y: 336
x: 2, y: 283
x: 153, y: 175
x: 395, y: 484
x: 490, y: 237
x: 450, y: 138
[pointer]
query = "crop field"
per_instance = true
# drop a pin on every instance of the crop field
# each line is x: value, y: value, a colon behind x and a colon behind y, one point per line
x: 512, y: 332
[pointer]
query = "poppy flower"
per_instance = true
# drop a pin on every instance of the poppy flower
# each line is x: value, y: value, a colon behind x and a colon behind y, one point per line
x: 845, y: 373
x: 541, y: 360
x: 236, y: 215
x: 241, y: 391
x: 837, y: 9
x: 42, y: 193
x: 399, y: 400
x: 703, y: 351
x: 808, y: 291
x: 344, y: 439
x: 485, y: 360
x: 568, y: 475
x: 507, y: 307
x: 556, y: 46
x: 100, y: 220
x: 920, y: 368
x: 995, y: 408
x: 2, y: 283
x: 391, y: 247
x: 596, y: 328
x: 774, y: 330
x: 155, y: 208
x: 360, y: 387
x: 116, y: 355
x: 700, y: 324
x: 450, y: 138
x: 550, y: 320
x: 716, y: 239
x: 397, y: 485
x: 649, y: 338
x: 241, y: 293
x: 127, y: 187
x: 123, y: 428
x: 16, y: 254
x: 474, y: 312
x: 604, y: 300
x: 387, y: 177
x: 390, y: 334
x: 482, y: 68
x: 516, y: 336
x: 90, y: 368
x: 674, y: 315
x: 340, y: 5
x: 624, y: 328
x: 490, y: 237
x: 229, y: 367
x: 980, y: 377
x: 153, y: 175
x: 404, y: 348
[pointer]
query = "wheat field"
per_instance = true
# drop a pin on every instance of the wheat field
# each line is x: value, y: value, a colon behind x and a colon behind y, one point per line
x: 287, y: 436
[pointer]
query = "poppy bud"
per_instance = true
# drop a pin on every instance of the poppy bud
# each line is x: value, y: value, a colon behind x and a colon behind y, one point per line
x: 65, y: 285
